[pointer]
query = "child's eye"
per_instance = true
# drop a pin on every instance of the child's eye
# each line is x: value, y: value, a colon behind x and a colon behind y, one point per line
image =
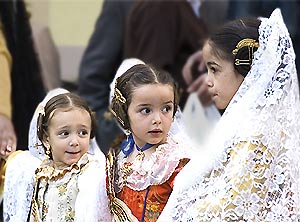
x: 64, y: 133
x: 213, y: 69
x: 167, y: 109
x: 145, y: 111
x: 83, y: 132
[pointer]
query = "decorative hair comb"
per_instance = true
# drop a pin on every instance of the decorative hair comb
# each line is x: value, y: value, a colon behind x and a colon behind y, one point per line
x: 250, y: 43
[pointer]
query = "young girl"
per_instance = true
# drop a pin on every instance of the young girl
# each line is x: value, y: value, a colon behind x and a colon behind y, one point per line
x: 249, y: 169
x: 142, y: 168
x: 69, y: 185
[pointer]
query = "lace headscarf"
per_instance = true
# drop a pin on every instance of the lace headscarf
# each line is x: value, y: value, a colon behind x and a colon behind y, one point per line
x: 20, y: 172
x: 249, y: 169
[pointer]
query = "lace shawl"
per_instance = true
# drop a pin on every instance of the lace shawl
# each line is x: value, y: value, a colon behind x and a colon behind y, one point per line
x: 249, y: 169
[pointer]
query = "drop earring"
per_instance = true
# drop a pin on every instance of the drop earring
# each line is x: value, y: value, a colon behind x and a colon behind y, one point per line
x: 48, y: 150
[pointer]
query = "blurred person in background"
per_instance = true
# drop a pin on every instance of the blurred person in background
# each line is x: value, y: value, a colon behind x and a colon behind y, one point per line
x: 99, y: 64
x: 21, y: 86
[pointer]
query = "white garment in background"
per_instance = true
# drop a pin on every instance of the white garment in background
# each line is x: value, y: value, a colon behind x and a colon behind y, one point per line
x: 199, y: 121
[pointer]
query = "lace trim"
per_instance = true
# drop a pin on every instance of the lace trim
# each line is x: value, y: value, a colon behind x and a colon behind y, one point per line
x: 50, y: 173
x: 156, y: 170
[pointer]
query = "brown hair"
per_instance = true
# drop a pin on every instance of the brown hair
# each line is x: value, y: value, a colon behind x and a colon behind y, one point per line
x: 62, y: 101
x: 226, y: 38
x: 138, y: 75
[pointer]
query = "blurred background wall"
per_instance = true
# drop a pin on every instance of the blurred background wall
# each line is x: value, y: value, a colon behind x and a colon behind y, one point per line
x: 70, y: 23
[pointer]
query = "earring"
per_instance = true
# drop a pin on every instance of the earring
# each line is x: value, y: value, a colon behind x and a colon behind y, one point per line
x: 48, y: 150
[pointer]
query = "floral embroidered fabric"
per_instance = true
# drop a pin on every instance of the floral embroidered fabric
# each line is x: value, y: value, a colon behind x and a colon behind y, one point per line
x: 56, y: 192
x: 138, y: 190
x: 249, y: 169
x: 140, y: 174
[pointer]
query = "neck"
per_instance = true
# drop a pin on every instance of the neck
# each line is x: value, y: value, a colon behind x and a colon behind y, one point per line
x: 59, y: 165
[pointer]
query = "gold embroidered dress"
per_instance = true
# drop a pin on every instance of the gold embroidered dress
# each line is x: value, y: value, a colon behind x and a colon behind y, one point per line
x: 140, y: 189
x: 82, y: 186
x: 56, y: 191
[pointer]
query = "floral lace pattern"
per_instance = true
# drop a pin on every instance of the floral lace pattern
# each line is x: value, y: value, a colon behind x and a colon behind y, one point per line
x: 18, y: 187
x: 156, y: 170
x: 251, y: 170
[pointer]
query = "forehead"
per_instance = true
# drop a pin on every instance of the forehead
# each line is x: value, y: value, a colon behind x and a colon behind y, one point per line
x: 208, y: 53
x: 70, y: 115
x: 151, y: 93
x: 213, y: 57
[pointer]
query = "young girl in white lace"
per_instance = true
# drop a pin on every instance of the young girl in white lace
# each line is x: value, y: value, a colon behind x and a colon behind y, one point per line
x: 249, y: 169
x: 69, y: 184
x: 142, y: 168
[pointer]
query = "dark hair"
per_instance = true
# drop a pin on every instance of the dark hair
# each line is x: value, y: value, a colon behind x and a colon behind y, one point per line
x: 62, y: 101
x: 226, y: 38
x: 26, y: 81
x: 136, y: 76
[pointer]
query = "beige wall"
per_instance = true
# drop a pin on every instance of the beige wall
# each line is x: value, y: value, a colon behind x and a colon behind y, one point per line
x: 71, y: 23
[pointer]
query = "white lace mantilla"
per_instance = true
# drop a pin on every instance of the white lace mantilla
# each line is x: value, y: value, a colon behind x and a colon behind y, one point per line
x: 249, y: 169
x: 157, y: 169
x: 18, y: 186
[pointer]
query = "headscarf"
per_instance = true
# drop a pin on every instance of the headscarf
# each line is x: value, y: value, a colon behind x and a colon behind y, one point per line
x: 249, y: 169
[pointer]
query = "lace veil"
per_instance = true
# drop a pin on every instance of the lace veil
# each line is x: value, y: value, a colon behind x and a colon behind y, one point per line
x: 20, y: 172
x: 249, y: 168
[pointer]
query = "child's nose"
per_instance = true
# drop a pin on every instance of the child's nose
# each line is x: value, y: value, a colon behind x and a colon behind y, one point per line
x: 74, y: 141
x: 156, y: 118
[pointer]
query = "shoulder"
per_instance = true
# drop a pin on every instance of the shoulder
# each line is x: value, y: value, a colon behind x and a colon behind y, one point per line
x: 93, y: 171
x: 23, y: 161
x: 19, y: 183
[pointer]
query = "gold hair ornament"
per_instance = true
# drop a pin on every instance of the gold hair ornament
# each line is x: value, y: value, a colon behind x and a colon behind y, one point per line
x: 250, y: 43
x: 114, y: 113
x: 119, y: 96
x: 41, y: 110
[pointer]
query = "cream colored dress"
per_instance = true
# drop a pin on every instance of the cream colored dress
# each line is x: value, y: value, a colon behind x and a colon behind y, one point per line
x: 58, y: 193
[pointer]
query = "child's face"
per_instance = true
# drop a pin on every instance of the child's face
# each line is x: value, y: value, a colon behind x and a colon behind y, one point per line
x: 223, y: 80
x: 151, y: 113
x: 69, y: 135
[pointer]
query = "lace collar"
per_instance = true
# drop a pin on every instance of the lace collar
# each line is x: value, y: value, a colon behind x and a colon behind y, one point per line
x: 50, y: 173
x: 139, y: 174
